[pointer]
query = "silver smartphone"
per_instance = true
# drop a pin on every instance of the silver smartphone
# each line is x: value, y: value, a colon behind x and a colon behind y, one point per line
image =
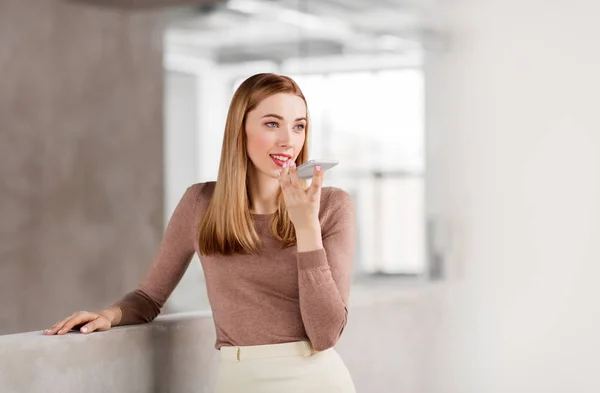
x: 306, y: 170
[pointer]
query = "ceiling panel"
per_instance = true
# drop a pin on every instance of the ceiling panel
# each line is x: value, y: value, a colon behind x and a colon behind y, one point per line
x: 235, y: 30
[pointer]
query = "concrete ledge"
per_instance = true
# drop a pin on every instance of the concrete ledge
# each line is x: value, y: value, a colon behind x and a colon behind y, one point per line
x: 175, y: 353
x: 383, y: 346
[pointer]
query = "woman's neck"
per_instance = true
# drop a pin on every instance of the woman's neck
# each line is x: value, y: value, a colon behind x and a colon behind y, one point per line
x: 262, y: 191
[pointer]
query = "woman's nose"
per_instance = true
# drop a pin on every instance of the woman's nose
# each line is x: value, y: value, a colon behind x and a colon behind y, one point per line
x: 285, y: 137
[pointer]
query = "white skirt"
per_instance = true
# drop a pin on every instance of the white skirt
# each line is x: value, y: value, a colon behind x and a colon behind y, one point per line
x: 282, y: 368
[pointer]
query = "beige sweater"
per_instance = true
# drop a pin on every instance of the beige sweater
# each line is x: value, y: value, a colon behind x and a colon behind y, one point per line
x: 276, y: 296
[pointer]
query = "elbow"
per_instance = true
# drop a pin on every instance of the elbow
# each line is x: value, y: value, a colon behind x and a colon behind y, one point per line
x: 324, y: 342
x: 148, y: 318
x: 327, y: 336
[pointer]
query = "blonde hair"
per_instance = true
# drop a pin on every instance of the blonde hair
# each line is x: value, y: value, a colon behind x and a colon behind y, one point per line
x: 227, y: 226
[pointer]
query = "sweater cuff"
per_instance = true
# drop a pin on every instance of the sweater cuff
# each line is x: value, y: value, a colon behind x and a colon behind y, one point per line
x: 137, y: 307
x: 312, y: 259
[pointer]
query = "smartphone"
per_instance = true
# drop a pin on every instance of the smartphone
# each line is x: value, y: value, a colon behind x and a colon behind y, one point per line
x: 306, y: 170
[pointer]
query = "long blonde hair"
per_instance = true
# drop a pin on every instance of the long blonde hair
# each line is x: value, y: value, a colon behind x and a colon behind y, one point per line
x: 227, y: 226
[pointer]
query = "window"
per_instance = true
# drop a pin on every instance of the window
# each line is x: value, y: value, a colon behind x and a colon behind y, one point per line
x: 373, y: 123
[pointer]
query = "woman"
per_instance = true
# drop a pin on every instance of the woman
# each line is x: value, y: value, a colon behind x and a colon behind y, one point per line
x: 277, y: 255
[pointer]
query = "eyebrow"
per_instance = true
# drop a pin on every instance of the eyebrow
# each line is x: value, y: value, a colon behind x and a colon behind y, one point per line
x: 281, y: 117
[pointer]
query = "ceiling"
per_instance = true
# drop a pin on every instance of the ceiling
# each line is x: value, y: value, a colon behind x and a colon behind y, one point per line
x: 236, y: 31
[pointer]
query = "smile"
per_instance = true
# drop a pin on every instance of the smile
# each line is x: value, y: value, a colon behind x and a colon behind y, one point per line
x: 280, y: 159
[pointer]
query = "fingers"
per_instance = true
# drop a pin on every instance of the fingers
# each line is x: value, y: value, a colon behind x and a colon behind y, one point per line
x: 58, y: 325
x: 286, y: 172
x: 100, y: 324
x: 67, y: 324
x: 284, y: 175
x: 317, y: 182
x: 291, y: 187
x: 293, y: 174
x: 89, y: 327
x: 76, y: 320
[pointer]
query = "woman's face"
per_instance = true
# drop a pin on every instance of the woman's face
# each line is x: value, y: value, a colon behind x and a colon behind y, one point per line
x: 276, y: 131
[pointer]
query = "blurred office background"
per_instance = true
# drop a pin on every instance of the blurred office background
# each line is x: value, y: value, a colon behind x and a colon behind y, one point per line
x: 467, y: 132
x: 360, y: 65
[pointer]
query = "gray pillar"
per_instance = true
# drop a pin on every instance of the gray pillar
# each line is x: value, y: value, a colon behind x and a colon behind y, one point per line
x: 81, y: 156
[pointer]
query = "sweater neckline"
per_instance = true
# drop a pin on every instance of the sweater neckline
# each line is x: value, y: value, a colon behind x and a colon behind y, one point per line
x: 265, y: 216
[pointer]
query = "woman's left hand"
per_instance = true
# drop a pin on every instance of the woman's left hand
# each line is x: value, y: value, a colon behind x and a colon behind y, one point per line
x: 302, y: 205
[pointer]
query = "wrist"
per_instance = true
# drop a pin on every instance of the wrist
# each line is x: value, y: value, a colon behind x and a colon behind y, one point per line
x: 113, y: 314
x: 309, y: 227
x: 309, y: 239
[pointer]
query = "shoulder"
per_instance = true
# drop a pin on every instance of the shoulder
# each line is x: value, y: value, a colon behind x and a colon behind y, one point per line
x: 198, y: 194
x: 333, y: 197
x: 336, y: 205
x: 201, y: 191
x: 197, y: 197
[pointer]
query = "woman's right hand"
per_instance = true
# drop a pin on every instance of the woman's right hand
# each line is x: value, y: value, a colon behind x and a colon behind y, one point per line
x: 86, y: 321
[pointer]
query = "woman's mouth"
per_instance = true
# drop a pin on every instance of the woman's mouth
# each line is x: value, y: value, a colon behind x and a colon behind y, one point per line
x: 279, y: 160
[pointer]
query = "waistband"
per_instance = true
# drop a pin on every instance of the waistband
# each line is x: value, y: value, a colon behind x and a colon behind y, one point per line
x: 296, y: 348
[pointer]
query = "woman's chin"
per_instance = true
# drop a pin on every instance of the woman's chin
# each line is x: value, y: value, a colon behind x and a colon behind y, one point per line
x: 271, y: 173
x: 267, y: 170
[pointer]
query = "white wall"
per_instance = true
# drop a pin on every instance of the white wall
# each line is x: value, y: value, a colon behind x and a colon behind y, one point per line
x: 181, y: 123
x: 514, y: 159
x: 182, y: 170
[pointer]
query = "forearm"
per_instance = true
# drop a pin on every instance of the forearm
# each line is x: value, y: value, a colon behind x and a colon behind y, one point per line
x: 325, y: 263
x: 323, y: 309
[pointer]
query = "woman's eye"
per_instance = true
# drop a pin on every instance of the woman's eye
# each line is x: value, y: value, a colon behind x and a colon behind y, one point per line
x: 271, y: 124
x: 300, y: 127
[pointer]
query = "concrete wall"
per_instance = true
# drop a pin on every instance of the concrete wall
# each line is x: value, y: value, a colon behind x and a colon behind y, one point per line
x: 383, y: 346
x: 514, y: 167
x: 81, y: 156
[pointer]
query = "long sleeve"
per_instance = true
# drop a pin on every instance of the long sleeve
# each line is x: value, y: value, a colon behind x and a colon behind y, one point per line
x: 325, y: 275
x: 172, y: 259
